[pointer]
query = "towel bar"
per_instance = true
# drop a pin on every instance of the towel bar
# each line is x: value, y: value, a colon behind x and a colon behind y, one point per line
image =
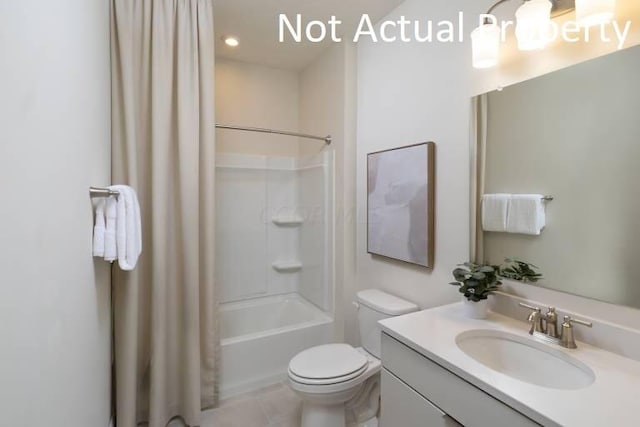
x: 547, y: 198
x: 102, y: 192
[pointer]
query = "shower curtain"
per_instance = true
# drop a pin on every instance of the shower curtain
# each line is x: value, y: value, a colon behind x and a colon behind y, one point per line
x: 165, y: 338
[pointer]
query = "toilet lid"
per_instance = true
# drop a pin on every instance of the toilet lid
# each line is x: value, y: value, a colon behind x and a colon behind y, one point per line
x: 327, y: 361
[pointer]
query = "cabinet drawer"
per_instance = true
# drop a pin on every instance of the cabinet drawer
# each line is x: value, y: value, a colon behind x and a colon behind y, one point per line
x: 404, y: 407
x: 464, y: 402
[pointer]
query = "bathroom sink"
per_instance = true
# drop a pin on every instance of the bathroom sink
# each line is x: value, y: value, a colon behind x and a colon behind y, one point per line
x: 525, y: 359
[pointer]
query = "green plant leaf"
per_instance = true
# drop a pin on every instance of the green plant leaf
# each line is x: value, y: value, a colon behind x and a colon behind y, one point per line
x: 460, y: 274
x: 519, y: 270
x: 470, y: 283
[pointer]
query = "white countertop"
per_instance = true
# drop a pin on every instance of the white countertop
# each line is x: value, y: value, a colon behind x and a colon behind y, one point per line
x: 613, y: 400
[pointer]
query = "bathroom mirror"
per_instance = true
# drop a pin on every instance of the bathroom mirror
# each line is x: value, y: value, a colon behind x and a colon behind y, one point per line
x: 573, y: 134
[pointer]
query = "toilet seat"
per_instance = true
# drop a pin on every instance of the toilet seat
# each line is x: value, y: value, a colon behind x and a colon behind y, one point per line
x: 326, y: 381
x: 327, y: 364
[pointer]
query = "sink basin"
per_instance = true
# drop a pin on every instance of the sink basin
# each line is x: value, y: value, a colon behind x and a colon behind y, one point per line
x: 525, y: 359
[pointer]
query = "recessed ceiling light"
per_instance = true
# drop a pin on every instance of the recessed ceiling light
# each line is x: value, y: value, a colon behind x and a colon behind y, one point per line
x: 231, y: 41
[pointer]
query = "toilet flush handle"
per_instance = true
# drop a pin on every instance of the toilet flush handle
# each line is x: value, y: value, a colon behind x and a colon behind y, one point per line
x: 356, y: 305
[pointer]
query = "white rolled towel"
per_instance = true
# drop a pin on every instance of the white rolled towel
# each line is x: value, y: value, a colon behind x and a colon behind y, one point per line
x: 526, y: 214
x: 110, y: 249
x: 99, y: 229
x: 494, y: 212
x: 128, y: 227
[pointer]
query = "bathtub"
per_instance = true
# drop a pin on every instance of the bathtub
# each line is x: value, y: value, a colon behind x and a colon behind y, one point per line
x: 260, y: 336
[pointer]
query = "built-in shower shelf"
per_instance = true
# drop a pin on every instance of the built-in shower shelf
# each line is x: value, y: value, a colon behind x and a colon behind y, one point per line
x: 287, y: 221
x: 287, y: 266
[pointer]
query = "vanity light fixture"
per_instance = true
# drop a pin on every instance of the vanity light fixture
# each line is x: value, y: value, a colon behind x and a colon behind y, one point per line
x: 594, y: 12
x: 231, y: 41
x: 485, y: 42
x: 533, y: 26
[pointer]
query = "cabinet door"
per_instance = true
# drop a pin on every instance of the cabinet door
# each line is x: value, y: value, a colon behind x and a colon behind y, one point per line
x: 403, y: 407
x: 468, y: 404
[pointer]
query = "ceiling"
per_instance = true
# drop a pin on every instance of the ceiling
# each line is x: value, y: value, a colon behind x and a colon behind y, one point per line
x: 255, y: 24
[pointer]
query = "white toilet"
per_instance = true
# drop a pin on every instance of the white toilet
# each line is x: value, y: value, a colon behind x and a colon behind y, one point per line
x: 340, y: 384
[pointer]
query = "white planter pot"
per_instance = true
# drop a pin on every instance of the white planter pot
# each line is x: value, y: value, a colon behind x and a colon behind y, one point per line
x: 475, y: 310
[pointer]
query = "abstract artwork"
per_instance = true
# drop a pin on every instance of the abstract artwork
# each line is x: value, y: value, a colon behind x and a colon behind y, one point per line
x: 400, y: 203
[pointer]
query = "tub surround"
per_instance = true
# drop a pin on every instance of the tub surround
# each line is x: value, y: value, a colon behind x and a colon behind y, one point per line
x: 610, y: 400
x: 274, y: 276
x: 272, y: 233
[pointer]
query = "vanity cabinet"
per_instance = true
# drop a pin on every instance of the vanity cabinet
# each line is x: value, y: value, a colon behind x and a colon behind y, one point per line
x: 418, y: 392
x: 404, y: 407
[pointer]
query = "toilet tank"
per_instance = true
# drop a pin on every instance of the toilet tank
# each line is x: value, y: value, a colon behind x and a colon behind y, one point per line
x: 374, y: 305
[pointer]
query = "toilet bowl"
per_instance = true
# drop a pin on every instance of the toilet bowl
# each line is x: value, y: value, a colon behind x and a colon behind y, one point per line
x: 342, y: 376
x: 340, y: 384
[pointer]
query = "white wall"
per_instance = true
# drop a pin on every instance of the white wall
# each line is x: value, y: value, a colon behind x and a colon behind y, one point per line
x: 256, y: 96
x: 426, y: 99
x: 413, y: 92
x: 327, y: 106
x: 55, y: 319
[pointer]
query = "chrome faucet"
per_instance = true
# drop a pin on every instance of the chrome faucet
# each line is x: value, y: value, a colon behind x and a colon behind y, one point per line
x: 545, y: 327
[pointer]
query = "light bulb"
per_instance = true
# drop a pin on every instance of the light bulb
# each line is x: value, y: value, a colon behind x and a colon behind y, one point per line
x: 594, y: 12
x: 485, y: 45
x: 534, y: 24
x: 231, y: 41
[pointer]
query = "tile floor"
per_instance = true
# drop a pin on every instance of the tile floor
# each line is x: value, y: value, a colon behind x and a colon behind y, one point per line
x: 274, y: 406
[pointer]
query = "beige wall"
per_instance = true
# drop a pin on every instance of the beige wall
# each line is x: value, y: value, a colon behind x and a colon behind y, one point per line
x: 416, y: 92
x: 256, y: 96
x: 55, y: 318
x: 573, y: 134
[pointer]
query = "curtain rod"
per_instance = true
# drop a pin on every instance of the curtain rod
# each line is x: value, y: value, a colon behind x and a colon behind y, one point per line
x: 327, y: 139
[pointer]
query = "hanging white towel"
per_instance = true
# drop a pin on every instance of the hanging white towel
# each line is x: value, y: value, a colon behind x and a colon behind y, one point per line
x: 99, y: 229
x: 110, y: 249
x: 494, y: 212
x: 526, y: 214
x: 128, y: 227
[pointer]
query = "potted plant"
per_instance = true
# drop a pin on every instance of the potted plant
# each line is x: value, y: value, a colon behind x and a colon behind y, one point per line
x: 477, y: 281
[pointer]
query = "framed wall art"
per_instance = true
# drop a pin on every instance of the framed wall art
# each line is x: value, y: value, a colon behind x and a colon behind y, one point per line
x: 400, y: 203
